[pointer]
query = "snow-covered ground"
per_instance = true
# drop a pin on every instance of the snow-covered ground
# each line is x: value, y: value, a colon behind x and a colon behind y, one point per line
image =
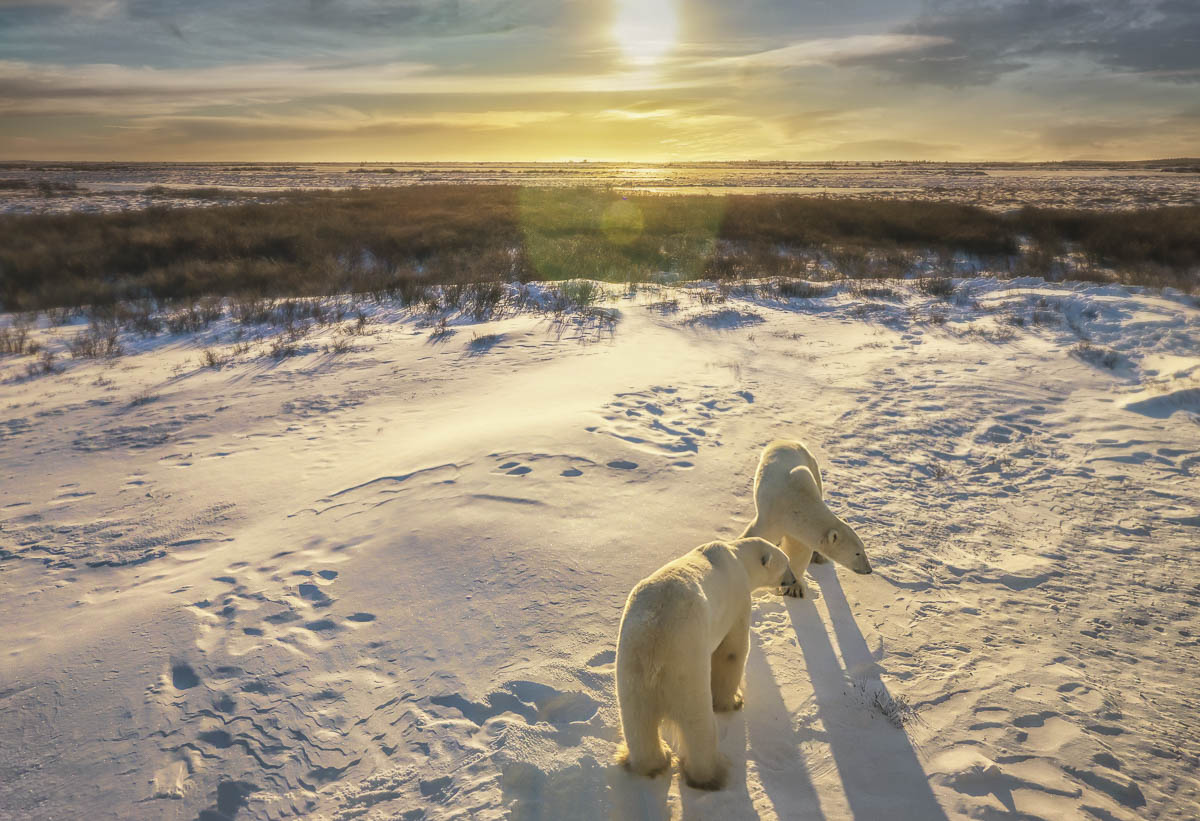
x: 382, y: 577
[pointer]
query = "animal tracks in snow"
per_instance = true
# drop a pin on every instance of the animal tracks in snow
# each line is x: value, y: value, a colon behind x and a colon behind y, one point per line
x: 671, y: 422
x: 541, y: 464
x: 259, y: 685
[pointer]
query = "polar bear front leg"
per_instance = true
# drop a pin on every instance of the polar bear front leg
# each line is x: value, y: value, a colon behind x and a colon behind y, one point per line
x: 728, y: 665
x: 798, y: 557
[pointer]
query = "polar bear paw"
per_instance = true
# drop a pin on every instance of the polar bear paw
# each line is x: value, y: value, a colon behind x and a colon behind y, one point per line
x: 799, y: 590
x: 712, y: 779
x: 729, y: 705
x: 655, y: 765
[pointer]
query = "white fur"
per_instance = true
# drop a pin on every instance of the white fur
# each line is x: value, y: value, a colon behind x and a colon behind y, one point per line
x: 681, y: 652
x: 790, y: 511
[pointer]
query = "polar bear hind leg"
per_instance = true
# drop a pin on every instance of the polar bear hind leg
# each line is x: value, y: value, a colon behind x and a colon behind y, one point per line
x: 728, y: 665
x: 642, y: 751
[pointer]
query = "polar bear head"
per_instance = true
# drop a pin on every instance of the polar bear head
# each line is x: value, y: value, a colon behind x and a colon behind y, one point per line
x: 804, y: 517
x: 766, y: 565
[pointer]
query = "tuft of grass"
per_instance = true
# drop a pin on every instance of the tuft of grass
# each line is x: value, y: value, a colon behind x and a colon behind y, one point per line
x: 441, y: 331
x: 939, y: 287
x: 251, y: 310
x: 481, y: 344
x: 1043, y: 316
x: 664, y: 306
x: 143, y: 398
x: 996, y: 335
x: 62, y: 314
x: 98, y: 341
x: 282, y: 347
x: 359, y: 327
x: 46, y: 363
x: 482, y: 299
x: 1097, y: 356
x: 707, y: 297
x: 210, y: 358
x: 340, y: 345
x: 194, y: 315
x: 575, y: 295
x: 15, y: 341
x: 864, y: 291
x: 725, y: 318
x: 866, y: 309
x: 896, y: 710
x: 784, y: 288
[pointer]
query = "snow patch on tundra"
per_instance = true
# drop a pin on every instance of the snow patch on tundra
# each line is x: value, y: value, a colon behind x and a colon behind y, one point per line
x: 344, y: 568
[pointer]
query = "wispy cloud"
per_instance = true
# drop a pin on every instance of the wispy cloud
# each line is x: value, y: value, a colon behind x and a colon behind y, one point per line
x: 27, y: 88
x: 835, y: 51
x: 93, y: 8
x: 337, y: 122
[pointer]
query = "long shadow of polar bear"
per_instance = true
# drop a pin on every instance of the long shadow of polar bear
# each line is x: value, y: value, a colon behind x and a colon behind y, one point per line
x: 882, y: 778
x: 881, y: 774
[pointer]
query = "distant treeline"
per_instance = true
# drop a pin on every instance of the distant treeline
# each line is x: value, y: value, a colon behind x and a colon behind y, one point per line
x: 382, y: 240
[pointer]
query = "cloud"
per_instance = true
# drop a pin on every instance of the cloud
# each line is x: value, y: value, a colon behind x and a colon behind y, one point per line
x: 983, y: 41
x: 28, y: 88
x: 334, y: 122
x: 837, y: 51
x: 886, y: 149
x: 95, y: 8
x: 393, y: 17
x: 1096, y: 135
x: 1087, y: 135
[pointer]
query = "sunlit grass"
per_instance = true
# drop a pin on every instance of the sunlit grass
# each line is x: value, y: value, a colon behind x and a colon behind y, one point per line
x: 397, y: 240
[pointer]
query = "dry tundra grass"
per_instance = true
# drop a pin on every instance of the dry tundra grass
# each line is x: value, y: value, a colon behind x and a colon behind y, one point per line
x: 395, y: 241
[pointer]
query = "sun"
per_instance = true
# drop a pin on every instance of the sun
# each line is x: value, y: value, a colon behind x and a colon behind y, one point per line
x: 645, y: 30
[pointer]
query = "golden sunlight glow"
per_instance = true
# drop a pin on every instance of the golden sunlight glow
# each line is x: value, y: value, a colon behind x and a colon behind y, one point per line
x: 646, y: 29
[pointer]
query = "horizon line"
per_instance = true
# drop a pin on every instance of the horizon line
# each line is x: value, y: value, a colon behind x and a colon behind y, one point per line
x: 589, y: 161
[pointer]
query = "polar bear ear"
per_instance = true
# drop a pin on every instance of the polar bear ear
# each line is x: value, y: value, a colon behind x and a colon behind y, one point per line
x: 803, y: 480
x: 831, y: 537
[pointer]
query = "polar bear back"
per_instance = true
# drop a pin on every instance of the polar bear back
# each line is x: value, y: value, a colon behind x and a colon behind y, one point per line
x: 779, y: 459
x: 708, y: 586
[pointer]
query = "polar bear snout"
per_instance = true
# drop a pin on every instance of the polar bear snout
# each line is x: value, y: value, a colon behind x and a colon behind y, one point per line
x: 857, y: 558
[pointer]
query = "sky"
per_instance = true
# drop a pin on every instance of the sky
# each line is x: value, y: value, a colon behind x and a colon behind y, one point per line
x: 603, y: 80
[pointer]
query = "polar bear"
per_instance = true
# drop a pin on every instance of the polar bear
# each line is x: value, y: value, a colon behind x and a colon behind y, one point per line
x: 790, y: 512
x: 682, y: 649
